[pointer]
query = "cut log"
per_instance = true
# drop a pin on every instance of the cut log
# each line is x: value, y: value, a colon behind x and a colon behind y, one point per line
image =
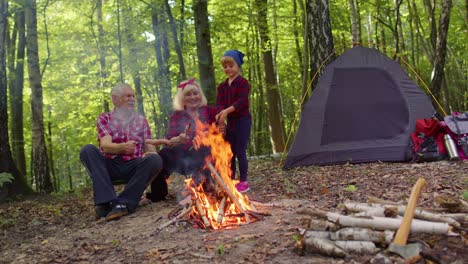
x: 379, y: 223
x: 357, y: 247
x: 322, y: 246
x: 379, y: 210
x: 354, y: 234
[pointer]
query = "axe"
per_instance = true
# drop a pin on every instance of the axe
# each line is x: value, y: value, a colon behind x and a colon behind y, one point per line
x: 410, y: 252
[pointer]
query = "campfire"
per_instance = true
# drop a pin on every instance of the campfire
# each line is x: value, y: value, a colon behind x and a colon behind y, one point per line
x: 214, y: 202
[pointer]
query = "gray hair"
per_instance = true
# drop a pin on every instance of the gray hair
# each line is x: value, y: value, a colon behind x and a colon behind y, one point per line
x: 117, y: 90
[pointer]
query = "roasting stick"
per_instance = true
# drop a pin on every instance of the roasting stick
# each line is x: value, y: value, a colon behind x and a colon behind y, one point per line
x: 229, y: 192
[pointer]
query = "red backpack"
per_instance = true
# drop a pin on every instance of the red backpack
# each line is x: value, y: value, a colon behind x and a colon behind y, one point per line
x: 427, y: 142
x: 456, y: 125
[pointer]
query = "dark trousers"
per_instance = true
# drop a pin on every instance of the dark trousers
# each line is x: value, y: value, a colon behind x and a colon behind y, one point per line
x: 238, y: 134
x: 138, y: 172
x: 180, y: 160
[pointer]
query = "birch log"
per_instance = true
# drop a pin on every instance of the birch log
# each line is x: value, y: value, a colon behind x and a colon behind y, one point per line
x: 354, y: 234
x: 379, y: 223
x: 378, y: 210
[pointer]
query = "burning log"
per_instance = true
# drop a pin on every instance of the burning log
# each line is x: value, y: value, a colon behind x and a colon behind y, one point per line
x: 380, y: 223
x: 202, y: 213
x: 223, y: 185
x: 222, y: 205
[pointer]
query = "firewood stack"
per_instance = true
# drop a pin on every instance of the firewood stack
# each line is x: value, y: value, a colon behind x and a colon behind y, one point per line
x: 368, y: 228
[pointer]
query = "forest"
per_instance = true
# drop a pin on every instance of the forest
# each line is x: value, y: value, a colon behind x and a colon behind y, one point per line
x: 60, y: 59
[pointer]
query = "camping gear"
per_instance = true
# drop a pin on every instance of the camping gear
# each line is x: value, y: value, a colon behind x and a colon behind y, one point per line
x: 457, y: 125
x: 451, y: 147
x: 363, y: 109
x: 427, y: 141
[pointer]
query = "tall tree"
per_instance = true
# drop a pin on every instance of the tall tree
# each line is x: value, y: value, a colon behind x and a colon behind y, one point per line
x: 273, y: 95
x: 177, y: 46
x: 133, y: 49
x: 6, y: 161
x: 441, y: 48
x: 162, y: 59
x: 355, y: 22
x: 320, y: 36
x: 39, y: 157
x: 204, y: 53
x: 16, y: 96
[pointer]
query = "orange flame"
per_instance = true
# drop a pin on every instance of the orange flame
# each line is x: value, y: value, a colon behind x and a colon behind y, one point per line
x: 218, y: 214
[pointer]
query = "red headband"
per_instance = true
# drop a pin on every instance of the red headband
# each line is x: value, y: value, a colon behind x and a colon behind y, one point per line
x: 182, y: 85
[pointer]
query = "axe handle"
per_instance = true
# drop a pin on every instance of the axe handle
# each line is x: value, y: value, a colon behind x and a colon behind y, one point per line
x: 403, y: 231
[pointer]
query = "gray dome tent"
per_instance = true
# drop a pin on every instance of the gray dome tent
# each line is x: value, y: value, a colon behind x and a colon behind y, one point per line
x: 363, y: 109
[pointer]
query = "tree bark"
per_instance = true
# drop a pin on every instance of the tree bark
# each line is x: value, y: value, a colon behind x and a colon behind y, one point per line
x: 16, y: 98
x: 204, y: 53
x: 164, y: 92
x: 7, y: 165
x: 441, y: 49
x: 133, y: 63
x: 273, y: 95
x: 177, y: 46
x: 39, y: 158
x: 320, y: 36
x: 103, y: 72
x: 355, y: 28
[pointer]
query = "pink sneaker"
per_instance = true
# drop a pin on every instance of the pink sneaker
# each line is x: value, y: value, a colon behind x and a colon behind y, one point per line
x: 242, y: 186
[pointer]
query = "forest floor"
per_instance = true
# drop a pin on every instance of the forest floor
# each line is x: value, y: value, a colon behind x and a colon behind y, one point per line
x: 61, y: 228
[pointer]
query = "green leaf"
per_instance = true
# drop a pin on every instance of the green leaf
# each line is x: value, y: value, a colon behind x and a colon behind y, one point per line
x: 350, y: 188
x: 465, y: 195
x: 220, y: 250
x: 5, y: 178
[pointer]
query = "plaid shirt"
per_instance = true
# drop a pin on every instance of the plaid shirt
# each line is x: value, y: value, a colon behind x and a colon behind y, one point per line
x: 236, y: 94
x: 180, y: 119
x: 134, y: 128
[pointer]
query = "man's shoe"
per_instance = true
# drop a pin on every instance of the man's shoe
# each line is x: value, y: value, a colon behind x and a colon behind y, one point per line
x: 102, y: 210
x: 118, y: 211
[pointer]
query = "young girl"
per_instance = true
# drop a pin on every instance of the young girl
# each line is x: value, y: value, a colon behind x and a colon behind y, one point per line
x: 232, y: 103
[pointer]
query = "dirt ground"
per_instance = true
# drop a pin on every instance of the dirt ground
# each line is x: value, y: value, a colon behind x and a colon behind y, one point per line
x: 62, y: 229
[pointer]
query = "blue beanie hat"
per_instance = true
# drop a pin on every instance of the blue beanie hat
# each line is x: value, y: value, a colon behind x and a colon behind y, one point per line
x: 236, y: 55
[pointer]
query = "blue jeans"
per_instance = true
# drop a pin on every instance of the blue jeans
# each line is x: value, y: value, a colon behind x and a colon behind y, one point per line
x: 238, y: 134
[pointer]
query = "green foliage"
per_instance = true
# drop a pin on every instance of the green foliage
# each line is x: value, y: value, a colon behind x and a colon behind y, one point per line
x: 5, y: 178
x: 465, y: 195
x: 350, y: 188
x: 75, y: 93
x: 220, y: 250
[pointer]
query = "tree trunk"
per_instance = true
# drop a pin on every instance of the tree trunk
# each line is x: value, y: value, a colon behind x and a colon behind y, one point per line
x: 7, y: 165
x: 182, y: 76
x: 133, y: 63
x: 355, y: 23
x: 441, y: 49
x: 16, y: 98
x: 273, y: 95
x: 164, y: 92
x: 204, y: 53
x: 103, y: 73
x: 39, y: 158
x: 320, y: 36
